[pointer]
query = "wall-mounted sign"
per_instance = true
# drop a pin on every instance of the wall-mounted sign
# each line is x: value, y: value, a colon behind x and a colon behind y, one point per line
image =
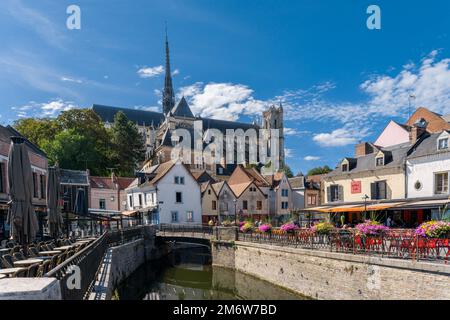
x: 356, y: 187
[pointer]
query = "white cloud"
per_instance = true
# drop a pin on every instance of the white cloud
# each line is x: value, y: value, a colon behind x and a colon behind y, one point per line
x: 150, y: 72
x: 294, y: 132
x: 46, y: 109
x: 311, y: 158
x: 222, y: 100
x: 148, y: 108
x: 68, y: 79
x: 175, y: 72
x: 288, y: 153
x: 337, y: 138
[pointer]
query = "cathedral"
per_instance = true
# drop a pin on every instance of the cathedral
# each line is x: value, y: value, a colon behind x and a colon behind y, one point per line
x: 157, y: 128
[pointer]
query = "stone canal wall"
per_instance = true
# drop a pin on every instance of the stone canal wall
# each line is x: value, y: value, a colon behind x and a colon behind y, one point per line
x: 328, y: 275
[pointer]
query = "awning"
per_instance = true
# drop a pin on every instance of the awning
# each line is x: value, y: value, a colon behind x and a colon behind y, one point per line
x: 356, y: 207
x: 129, y: 213
x: 424, y: 204
x: 318, y: 209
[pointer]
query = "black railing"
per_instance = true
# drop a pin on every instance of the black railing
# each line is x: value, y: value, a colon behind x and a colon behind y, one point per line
x: 393, y: 243
x: 186, y: 229
x: 77, y: 274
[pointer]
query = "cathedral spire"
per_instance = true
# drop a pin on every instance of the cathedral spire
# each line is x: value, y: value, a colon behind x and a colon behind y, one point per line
x: 168, y: 100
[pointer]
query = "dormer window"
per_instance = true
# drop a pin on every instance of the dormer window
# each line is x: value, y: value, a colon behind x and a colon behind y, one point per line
x: 379, y: 161
x: 345, y: 167
x: 443, y: 144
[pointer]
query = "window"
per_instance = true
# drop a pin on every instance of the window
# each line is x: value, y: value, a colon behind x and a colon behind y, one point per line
x: 378, y: 190
x: 102, y: 204
x: 224, y: 206
x: 177, y: 180
x: 181, y: 180
x: 345, y: 167
x: 441, y: 183
x: 174, y: 215
x: 140, y: 200
x: 443, y: 144
x: 209, y: 191
x: 284, y: 205
x: 214, y: 205
x: 130, y: 200
x: 252, y: 189
x: 258, y: 205
x: 379, y: 162
x: 245, y: 204
x: 189, y: 216
x: 178, y: 197
x: 35, y: 186
x: 312, y: 200
x: 220, y: 170
x: 335, y: 193
x: 284, y: 192
x: 42, y: 185
x: 418, y: 185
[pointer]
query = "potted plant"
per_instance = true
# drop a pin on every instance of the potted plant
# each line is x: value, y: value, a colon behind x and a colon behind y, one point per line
x: 247, y: 227
x: 265, y: 228
x: 289, y: 227
x: 371, y: 228
x: 434, y: 229
x: 322, y: 228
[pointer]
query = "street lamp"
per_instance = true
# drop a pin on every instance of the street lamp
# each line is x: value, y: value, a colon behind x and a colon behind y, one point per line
x: 235, y: 212
x: 365, y: 205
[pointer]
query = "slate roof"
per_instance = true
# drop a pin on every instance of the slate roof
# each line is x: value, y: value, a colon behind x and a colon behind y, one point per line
x: 182, y: 109
x: 297, y: 182
x: 7, y: 132
x: 141, y: 117
x: 397, y: 156
x: 74, y: 177
x: 107, y: 182
x: 427, y: 146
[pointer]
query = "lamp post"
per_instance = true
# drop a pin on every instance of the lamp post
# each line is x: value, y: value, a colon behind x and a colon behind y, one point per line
x: 235, y: 212
x: 365, y: 205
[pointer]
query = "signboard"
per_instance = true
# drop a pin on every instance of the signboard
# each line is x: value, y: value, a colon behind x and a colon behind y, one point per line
x: 356, y: 187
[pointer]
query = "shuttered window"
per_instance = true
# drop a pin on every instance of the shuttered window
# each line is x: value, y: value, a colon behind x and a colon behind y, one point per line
x: 2, y: 178
x: 378, y: 190
x: 335, y: 193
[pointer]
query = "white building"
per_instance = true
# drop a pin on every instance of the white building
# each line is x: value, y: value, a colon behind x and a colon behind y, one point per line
x: 166, y: 193
x: 428, y: 168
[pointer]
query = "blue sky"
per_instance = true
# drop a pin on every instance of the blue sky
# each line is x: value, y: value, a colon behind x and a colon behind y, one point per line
x: 339, y: 82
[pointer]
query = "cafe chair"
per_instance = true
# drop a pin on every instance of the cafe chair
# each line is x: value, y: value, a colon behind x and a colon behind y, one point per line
x: 20, y: 273
x: 7, y: 261
x: 33, y: 270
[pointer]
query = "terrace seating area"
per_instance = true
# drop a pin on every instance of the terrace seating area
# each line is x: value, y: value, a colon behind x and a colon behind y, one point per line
x: 39, y: 257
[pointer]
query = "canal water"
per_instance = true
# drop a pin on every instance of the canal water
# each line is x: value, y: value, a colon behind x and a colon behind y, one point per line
x: 187, y: 274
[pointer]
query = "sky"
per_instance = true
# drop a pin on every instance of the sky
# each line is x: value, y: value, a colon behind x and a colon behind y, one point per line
x: 339, y: 82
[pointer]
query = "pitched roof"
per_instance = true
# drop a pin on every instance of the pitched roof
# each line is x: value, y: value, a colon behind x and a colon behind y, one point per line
x: 107, y: 182
x: 141, y: 117
x: 74, y: 177
x: 182, y: 109
x: 7, y: 132
x: 297, y: 182
x: 426, y: 146
x: 159, y: 172
x: 202, y: 176
x: 367, y: 162
x: 239, y: 188
x: 436, y: 122
x: 218, y: 186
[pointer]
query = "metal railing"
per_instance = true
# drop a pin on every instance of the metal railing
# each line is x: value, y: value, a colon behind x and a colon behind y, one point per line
x: 186, y: 229
x: 77, y: 274
x: 399, y: 243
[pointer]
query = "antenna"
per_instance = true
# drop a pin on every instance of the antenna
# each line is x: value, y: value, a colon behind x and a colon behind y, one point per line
x: 410, y: 97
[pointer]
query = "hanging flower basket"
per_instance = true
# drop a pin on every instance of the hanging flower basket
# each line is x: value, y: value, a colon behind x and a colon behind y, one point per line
x: 371, y: 228
x: 322, y: 228
x: 289, y: 228
x: 265, y: 228
x: 433, y: 229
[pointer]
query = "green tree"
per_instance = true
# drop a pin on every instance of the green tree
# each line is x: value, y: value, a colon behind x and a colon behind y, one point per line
x: 37, y: 130
x: 319, y: 170
x: 287, y: 170
x: 73, y: 151
x: 128, y: 145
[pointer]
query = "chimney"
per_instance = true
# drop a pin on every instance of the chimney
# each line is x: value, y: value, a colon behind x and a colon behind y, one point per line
x: 362, y: 149
x: 114, y: 179
x: 415, y: 133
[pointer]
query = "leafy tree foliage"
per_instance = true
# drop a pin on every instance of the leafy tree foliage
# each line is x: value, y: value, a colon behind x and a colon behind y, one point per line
x: 319, y: 170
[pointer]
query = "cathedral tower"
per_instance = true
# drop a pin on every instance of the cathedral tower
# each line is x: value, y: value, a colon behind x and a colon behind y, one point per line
x: 273, y: 119
x: 168, y: 98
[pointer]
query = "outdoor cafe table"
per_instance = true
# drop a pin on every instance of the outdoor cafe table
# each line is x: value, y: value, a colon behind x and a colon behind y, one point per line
x: 26, y: 263
x: 49, y: 253
x: 9, y: 271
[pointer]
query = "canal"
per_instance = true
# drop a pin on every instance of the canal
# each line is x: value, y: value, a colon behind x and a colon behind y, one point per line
x: 187, y: 274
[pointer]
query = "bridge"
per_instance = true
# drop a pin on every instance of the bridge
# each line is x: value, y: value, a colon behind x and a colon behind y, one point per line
x: 197, y: 234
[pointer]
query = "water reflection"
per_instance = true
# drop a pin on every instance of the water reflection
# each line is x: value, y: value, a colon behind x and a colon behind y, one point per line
x: 187, y: 274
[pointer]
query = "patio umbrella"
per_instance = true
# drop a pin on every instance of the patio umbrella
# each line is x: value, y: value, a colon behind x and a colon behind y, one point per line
x: 81, y: 203
x: 53, y: 198
x: 21, y: 216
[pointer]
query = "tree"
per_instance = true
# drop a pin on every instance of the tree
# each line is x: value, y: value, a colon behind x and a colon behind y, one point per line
x: 37, y: 130
x: 287, y: 170
x: 128, y: 145
x: 319, y: 170
x: 73, y: 151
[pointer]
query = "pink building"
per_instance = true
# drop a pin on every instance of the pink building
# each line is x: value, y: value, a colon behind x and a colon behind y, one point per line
x: 107, y: 194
